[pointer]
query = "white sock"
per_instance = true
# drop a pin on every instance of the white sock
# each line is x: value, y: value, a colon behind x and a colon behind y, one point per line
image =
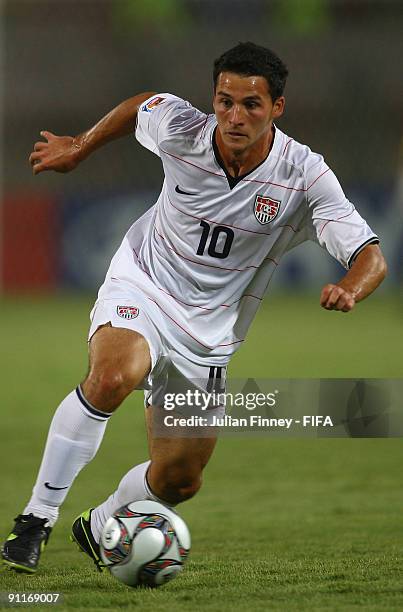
x: 132, y: 487
x: 74, y: 437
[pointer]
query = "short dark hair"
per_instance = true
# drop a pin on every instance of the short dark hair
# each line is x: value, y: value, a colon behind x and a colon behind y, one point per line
x: 249, y: 59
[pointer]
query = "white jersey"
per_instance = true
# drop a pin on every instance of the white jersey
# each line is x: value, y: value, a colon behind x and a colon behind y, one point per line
x: 204, y: 254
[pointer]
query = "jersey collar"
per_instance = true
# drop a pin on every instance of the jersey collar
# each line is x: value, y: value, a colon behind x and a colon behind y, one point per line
x: 234, y: 180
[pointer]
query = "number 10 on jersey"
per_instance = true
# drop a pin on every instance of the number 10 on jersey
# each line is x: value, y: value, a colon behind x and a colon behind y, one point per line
x: 225, y: 244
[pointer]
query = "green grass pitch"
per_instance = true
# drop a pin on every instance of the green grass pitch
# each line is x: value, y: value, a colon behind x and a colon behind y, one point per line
x: 280, y: 524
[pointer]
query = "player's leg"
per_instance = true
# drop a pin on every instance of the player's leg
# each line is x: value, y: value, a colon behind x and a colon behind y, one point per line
x: 172, y: 475
x: 119, y: 361
x: 177, y: 462
x: 177, y: 457
x: 179, y: 454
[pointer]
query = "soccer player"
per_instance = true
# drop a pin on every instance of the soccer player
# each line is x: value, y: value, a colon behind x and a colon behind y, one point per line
x: 189, y: 276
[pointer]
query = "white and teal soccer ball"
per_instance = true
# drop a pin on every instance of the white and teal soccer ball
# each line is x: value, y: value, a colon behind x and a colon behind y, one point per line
x: 145, y: 544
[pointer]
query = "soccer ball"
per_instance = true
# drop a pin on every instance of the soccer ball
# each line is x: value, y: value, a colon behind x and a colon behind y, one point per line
x: 145, y: 543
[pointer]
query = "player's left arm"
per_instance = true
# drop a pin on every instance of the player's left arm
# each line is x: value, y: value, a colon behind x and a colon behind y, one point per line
x: 365, y: 275
x: 339, y: 228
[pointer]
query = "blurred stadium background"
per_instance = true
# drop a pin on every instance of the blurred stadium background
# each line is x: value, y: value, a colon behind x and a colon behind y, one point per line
x: 66, y: 63
x: 325, y: 531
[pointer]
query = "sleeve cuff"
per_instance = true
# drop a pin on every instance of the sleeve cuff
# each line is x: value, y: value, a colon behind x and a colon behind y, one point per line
x: 372, y: 240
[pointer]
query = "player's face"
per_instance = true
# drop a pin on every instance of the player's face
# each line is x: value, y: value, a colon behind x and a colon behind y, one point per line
x: 244, y: 110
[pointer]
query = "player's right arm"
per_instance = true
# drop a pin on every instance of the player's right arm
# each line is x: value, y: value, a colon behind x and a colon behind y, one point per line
x: 64, y: 153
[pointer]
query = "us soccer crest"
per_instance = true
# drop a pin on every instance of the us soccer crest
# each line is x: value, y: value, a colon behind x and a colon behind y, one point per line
x: 128, y: 312
x: 266, y: 209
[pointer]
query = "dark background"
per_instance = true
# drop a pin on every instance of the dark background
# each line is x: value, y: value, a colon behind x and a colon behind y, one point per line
x: 66, y: 64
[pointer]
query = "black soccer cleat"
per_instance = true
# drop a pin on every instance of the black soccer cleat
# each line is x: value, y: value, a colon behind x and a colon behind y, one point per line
x: 23, y: 547
x: 81, y: 534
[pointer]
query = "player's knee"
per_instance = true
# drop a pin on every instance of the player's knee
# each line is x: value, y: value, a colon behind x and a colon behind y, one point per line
x: 106, y: 388
x: 176, y: 486
x: 181, y: 490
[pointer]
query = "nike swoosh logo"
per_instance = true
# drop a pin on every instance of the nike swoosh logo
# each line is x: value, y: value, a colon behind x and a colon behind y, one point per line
x: 48, y: 486
x: 179, y: 190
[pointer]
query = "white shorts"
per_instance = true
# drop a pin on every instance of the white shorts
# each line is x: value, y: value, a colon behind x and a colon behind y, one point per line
x: 170, y: 373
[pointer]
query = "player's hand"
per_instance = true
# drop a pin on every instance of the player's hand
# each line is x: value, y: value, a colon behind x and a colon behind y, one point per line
x: 58, y: 153
x: 334, y: 297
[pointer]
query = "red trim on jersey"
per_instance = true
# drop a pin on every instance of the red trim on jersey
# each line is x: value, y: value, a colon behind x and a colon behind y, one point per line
x: 194, y: 165
x: 187, y: 332
x: 185, y: 303
x: 313, y: 183
x: 230, y: 343
x: 216, y: 222
x: 167, y: 292
x: 241, y: 298
x: 334, y: 221
x: 285, y: 148
x: 175, y: 298
x: 270, y: 259
x: 183, y: 212
x: 178, y: 324
x: 285, y: 186
x: 185, y: 161
x: 250, y: 295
